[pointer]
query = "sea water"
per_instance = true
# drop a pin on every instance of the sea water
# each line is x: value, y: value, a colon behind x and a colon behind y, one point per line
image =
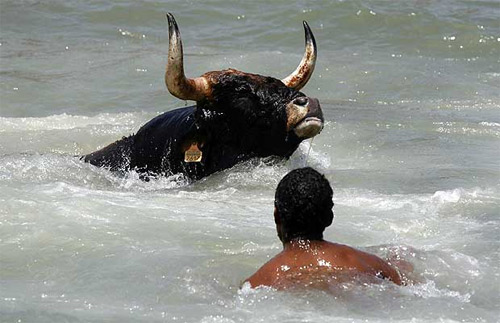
x: 411, y: 96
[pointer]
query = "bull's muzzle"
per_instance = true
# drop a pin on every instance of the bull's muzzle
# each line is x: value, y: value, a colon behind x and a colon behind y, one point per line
x: 304, y: 117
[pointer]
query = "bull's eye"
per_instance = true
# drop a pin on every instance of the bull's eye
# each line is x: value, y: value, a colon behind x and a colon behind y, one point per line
x: 302, y: 101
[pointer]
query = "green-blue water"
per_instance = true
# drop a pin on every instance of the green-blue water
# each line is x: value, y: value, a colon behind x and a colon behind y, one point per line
x: 411, y: 94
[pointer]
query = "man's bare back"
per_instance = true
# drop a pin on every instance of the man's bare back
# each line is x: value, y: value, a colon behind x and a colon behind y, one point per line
x: 318, y: 263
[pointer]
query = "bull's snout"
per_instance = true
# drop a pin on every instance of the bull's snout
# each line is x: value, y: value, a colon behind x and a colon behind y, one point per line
x: 305, y: 117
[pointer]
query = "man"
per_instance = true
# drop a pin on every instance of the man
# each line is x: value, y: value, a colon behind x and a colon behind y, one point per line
x: 303, y: 209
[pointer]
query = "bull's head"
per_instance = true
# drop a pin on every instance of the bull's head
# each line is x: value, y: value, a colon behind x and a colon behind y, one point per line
x: 264, y: 104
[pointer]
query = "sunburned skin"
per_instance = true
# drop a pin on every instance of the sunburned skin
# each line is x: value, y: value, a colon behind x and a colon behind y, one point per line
x: 318, y: 264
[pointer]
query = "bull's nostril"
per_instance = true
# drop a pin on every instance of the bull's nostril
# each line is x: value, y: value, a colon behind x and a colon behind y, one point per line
x: 301, y: 101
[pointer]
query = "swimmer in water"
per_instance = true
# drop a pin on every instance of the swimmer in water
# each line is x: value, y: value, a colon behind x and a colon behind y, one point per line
x: 303, y: 209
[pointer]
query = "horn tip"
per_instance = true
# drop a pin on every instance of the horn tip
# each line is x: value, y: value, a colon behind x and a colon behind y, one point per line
x: 172, y: 24
x: 306, y: 27
x: 309, y: 34
x: 171, y: 19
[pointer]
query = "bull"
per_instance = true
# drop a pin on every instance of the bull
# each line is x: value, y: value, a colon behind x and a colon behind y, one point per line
x: 237, y: 116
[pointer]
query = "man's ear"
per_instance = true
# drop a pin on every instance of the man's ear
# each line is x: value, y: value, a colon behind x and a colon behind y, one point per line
x: 276, y: 216
x: 277, y: 220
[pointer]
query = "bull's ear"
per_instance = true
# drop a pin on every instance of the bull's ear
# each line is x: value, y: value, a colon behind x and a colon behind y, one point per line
x: 298, y: 79
x: 177, y: 83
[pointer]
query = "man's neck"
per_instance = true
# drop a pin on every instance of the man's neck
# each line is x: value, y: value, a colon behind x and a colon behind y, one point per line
x: 302, y: 244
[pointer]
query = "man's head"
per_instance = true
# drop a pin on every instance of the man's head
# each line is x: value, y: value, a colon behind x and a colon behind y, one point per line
x: 303, y: 205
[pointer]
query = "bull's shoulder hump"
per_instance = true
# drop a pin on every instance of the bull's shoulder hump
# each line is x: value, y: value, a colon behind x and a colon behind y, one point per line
x: 170, y: 119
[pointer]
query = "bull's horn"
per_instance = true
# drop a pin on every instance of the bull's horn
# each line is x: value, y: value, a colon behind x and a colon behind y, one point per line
x: 177, y: 83
x: 303, y: 72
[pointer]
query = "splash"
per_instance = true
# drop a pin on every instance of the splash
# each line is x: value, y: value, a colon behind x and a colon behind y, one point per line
x: 430, y: 290
x: 308, y: 151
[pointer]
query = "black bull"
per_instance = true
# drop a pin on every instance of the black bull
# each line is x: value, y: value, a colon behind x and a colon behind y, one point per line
x: 237, y: 116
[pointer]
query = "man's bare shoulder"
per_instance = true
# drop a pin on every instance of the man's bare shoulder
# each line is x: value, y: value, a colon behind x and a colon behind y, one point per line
x: 369, y: 263
x: 348, y: 253
x: 268, y: 273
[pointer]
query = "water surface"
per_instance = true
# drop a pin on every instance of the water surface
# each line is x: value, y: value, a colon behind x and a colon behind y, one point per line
x: 411, y: 94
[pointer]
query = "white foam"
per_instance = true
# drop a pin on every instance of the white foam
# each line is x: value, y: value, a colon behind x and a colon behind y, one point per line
x: 246, y: 289
x: 216, y: 319
x: 66, y: 121
x: 388, y: 202
x: 430, y: 290
x: 132, y: 180
x: 490, y: 124
x: 447, y: 196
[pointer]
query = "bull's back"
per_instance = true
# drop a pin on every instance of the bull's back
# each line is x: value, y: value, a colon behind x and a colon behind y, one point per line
x: 115, y: 156
x: 150, y: 149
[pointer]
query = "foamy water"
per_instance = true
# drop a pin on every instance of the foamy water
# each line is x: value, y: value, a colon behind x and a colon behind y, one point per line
x: 411, y: 97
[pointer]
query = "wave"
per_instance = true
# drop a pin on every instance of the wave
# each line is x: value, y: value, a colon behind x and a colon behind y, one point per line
x: 67, y: 122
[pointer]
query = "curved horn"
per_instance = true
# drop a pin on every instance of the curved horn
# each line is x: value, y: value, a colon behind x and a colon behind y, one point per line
x: 298, y: 79
x: 177, y: 83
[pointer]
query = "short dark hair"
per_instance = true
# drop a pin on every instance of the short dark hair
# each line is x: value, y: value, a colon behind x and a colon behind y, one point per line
x: 303, y: 204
